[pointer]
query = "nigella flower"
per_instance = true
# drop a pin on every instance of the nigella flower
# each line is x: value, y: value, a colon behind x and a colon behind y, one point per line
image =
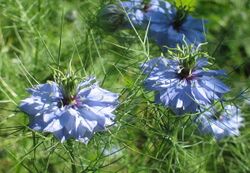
x: 171, y: 28
x: 137, y: 9
x: 68, y: 111
x: 182, y: 86
x: 220, y: 123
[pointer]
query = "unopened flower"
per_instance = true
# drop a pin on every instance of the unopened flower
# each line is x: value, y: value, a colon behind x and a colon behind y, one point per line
x: 112, y: 17
x: 71, y: 15
x: 78, y: 114
x: 220, y: 123
x: 173, y: 27
x: 183, y: 85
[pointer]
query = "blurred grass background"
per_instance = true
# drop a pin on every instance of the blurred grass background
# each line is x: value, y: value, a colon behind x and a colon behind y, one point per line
x: 35, y: 34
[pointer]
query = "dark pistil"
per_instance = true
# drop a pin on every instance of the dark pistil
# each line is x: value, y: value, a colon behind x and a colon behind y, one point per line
x: 179, y: 19
x: 216, y: 115
x: 66, y: 101
x: 185, y: 73
x: 146, y: 7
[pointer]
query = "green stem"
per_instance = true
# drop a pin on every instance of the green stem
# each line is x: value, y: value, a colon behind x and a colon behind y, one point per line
x: 72, y: 158
x: 38, y: 28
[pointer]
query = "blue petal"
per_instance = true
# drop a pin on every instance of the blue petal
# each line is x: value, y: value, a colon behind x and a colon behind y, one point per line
x: 131, y: 3
x: 193, y: 36
x: 214, y: 84
x: 160, y: 6
x: 48, y: 92
x: 209, y: 73
x: 201, y: 94
x: 86, y: 83
x: 183, y: 102
x: 61, y: 135
x: 201, y: 62
x: 97, y: 121
x: 194, y: 24
x: 71, y: 119
x: 174, y: 37
x: 158, y: 18
x: 32, y: 105
x: 53, y: 126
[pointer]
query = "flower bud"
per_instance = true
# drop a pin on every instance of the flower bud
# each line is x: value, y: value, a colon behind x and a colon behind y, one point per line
x: 111, y: 17
x: 71, y: 15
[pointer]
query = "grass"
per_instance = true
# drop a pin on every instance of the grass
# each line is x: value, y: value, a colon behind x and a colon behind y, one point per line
x: 35, y: 35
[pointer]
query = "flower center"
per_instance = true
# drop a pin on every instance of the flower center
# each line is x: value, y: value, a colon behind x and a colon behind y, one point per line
x: 217, y: 115
x: 185, y: 73
x: 145, y: 7
x: 70, y: 100
x: 67, y: 101
x: 179, y: 19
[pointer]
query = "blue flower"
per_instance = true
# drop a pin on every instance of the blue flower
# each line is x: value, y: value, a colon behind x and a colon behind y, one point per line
x: 220, y: 123
x: 181, y: 87
x: 137, y: 9
x: 78, y: 116
x: 171, y: 28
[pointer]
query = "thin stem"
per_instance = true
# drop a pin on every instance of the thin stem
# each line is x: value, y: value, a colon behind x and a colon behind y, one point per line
x: 38, y: 28
x: 60, y: 43
x: 72, y: 157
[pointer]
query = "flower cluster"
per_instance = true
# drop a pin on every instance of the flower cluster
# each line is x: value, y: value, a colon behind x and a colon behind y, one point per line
x: 52, y: 108
x: 182, y: 82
